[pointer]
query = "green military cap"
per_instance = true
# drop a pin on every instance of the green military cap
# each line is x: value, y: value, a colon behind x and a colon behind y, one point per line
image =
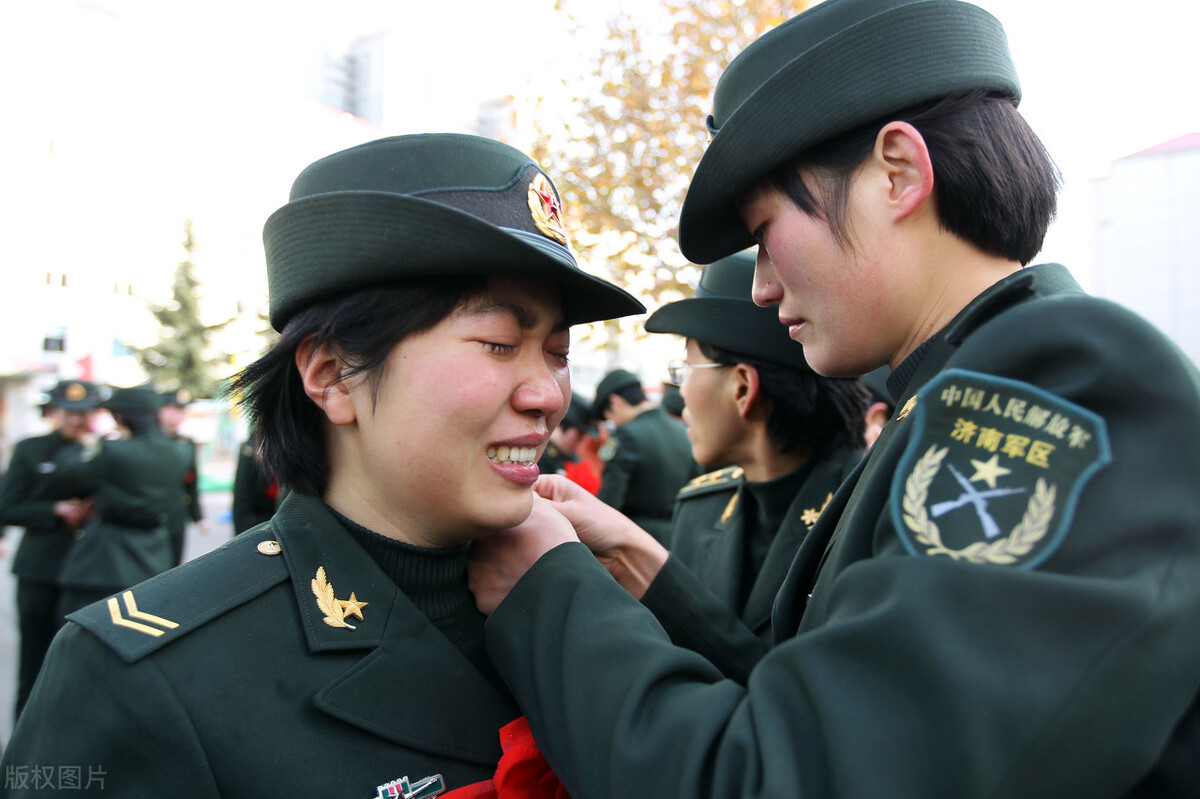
x: 722, y: 313
x: 610, y: 384
x: 136, y: 398
x: 579, y: 414
x: 836, y: 66
x: 180, y: 397
x: 74, y: 395
x: 425, y: 205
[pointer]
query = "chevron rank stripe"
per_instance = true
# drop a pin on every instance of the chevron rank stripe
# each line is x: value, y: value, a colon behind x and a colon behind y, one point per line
x: 114, y: 611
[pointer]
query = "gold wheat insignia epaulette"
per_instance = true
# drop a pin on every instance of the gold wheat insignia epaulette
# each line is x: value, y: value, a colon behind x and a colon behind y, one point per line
x: 722, y: 478
x: 142, y: 619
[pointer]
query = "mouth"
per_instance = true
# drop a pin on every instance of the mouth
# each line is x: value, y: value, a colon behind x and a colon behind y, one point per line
x: 793, y: 324
x: 506, y: 455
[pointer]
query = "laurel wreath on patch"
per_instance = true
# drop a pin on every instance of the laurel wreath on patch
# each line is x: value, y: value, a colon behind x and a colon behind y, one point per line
x: 335, y: 614
x: 1031, y: 529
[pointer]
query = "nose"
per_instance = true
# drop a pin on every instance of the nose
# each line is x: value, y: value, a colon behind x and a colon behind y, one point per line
x: 766, y: 289
x: 543, y: 390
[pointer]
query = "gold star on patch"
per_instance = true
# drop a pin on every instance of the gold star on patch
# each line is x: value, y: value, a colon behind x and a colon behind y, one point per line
x: 988, y: 471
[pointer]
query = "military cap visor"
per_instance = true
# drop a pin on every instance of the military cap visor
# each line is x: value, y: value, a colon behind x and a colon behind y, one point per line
x: 839, y: 65
x: 429, y: 205
x: 723, y: 314
x: 74, y: 396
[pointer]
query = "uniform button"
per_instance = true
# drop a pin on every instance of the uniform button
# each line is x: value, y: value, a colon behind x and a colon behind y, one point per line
x: 270, y: 548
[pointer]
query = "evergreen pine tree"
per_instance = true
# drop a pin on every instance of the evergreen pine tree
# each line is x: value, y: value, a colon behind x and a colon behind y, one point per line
x: 183, y: 357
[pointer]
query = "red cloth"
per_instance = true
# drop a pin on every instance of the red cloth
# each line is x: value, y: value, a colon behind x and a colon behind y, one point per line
x: 584, y: 474
x: 522, y: 772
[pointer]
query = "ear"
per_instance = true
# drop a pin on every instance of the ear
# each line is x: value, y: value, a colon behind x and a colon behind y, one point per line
x: 901, y: 150
x: 874, y: 419
x: 747, y: 389
x: 320, y: 372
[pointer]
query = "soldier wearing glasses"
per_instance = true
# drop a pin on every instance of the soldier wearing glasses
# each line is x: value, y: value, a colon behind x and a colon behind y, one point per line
x: 784, y: 437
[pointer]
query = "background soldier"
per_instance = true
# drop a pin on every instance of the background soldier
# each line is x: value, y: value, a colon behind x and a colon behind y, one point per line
x: 647, y: 457
x: 171, y: 417
x: 50, y: 523
x: 135, y: 481
x: 563, y: 455
x: 256, y: 494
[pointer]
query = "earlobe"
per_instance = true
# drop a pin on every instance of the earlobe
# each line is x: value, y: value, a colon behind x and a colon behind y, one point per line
x: 320, y: 372
x: 905, y: 156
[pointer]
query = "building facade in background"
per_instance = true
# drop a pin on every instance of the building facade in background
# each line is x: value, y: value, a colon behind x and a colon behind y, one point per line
x: 1146, y: 246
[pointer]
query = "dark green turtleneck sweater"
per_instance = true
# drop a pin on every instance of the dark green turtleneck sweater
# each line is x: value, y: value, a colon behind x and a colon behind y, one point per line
x: 769, y: 502
x: 435, y: 581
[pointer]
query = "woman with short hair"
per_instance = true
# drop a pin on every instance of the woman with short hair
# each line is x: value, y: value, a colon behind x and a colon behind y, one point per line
x: 424, y: 289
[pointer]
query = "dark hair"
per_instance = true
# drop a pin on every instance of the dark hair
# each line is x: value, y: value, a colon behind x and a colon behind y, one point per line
x: 809, y: 412
x: 633, y: 394
x: 364, y: 327
x: 136, y: 421
x: 994, y: 183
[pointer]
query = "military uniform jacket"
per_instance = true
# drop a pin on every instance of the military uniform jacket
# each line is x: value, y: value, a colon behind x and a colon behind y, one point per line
x: 188, y: 508
x: 136, y: 483
x: 27, y: 500
x: 223, y: 678
x: 255, y: 494
x: 1055, y: 655
x: 646, y: 461
x: 697, y: 595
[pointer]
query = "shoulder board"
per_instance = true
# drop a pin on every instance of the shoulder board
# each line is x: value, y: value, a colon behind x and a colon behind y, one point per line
x: 150, y: 615
x: 720, y: 480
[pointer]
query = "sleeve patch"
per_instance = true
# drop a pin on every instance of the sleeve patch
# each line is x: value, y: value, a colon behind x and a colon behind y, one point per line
x: 608, y: 449
x: 993, y: 470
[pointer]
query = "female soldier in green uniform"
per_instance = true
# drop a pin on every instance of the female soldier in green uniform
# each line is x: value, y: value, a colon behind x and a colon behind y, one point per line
x: 786, y: 438
x: 1003, y: 600
x: 423, y: 289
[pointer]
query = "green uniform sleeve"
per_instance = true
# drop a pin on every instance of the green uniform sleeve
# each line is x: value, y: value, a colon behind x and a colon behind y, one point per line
x: 117, y: 726
x: 885, y: 703
x: 698, y: 620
